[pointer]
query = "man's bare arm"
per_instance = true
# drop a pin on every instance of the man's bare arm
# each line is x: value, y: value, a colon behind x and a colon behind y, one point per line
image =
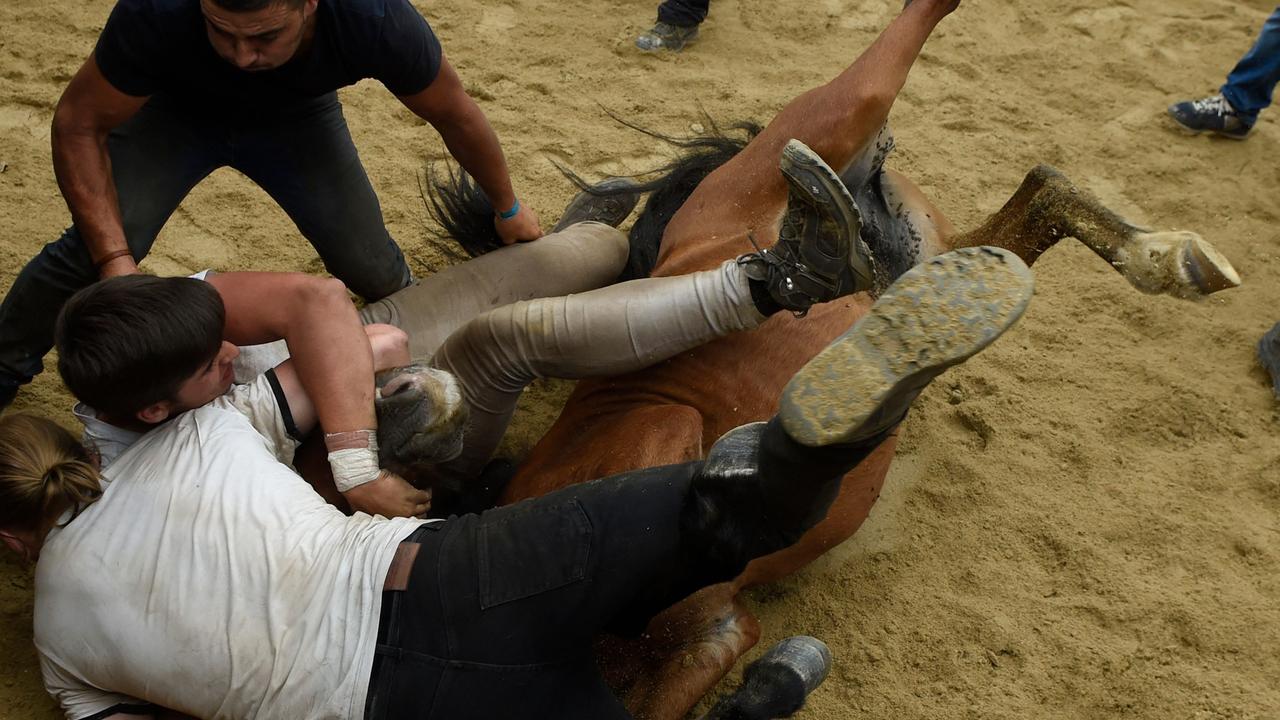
x: 469, y: 137
x: 88, y: 110
x: 330, y: 354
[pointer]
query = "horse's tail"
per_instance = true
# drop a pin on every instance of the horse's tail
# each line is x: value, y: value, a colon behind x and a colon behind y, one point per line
x: 465, y: 214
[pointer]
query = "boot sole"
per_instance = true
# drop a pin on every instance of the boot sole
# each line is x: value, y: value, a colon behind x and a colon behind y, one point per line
x: 938, y: 314
x: 812, y: 176
x: 581, y: 208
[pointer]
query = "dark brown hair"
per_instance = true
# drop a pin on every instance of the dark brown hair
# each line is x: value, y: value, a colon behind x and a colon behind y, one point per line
x: 131, y: 341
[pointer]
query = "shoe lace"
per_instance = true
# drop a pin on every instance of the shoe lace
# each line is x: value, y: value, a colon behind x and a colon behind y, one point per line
x: 1214, y: 104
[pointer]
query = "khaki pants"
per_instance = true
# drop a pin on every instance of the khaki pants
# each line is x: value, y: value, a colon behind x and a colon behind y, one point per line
x: 492, y: 321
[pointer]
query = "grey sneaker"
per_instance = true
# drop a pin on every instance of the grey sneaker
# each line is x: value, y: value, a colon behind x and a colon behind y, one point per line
x: 1212, y: 114
x: 938, y: 314
x: 819, y: 255
x: 665, y: 36
x: 609, y: 201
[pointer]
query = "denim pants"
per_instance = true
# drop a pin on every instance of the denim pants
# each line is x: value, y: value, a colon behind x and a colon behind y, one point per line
x: 683, y: 13
x: 1254, y: 78
x: 501, y: 608
x: 304, y: 159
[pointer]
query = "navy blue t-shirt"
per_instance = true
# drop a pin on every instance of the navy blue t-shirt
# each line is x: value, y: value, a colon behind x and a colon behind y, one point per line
x: 154, y: 47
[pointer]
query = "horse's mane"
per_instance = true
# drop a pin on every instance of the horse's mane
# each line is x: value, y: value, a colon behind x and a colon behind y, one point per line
x: 465, y: 215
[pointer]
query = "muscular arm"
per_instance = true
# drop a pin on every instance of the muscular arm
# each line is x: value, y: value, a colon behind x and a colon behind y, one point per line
x: 471, y: 140
x: 88, y: 110
x: 331, y: 360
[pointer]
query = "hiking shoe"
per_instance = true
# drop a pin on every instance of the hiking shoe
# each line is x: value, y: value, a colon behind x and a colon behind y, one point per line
x: 820, y: 255
x: 609, y: 201
x: 1212, y: 114
x: 665, y: 36
x: 938, y: 314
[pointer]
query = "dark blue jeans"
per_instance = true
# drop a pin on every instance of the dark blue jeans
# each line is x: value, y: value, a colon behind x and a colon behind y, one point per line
x: 501, y: 608
x: 1254, y: 78
x: 683, y: 12
x: 304, y: 159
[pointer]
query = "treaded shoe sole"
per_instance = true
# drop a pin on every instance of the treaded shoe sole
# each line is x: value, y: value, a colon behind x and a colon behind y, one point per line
x: 938, y: 314
x: 813, y: 178
x: 610, y: 208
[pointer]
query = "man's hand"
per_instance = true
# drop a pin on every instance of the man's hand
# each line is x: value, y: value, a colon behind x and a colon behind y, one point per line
x: 521, y: 228
x: 118, y: 266
x: 389, y: 496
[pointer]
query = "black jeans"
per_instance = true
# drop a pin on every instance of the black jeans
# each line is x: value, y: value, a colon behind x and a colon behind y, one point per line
x: 304, y: 159
x: 683, y: 12
x: 501, y: 608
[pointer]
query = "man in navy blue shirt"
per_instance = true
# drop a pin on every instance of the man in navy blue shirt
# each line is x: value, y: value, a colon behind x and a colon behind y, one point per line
x: 175, y: 89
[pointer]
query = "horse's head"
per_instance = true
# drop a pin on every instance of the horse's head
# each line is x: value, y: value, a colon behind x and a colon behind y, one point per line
x: 421, y: 419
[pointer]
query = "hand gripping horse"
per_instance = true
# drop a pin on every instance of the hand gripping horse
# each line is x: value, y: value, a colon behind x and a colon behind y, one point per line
x: 720, y: 199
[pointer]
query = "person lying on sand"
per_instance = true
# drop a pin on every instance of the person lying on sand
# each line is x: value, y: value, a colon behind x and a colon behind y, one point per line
x: 199, y: 573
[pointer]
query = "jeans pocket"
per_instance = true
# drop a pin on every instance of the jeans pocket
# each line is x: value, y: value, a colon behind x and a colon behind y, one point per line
x: 531, y: 549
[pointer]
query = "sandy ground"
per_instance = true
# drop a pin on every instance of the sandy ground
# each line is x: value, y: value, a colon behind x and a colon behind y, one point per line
x: 1081, y: 523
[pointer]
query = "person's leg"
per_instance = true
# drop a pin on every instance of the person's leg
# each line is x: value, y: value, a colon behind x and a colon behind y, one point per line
x: 1250, y: 85
x: 677, y: 25
x: 630, y: 326
x: 582, y: 257
x: 156, y: 158
x: 684, y: 13
x: 308, y: 164
x: 608, y: 331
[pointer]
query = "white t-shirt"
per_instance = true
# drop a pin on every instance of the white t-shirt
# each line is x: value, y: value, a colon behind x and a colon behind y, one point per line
x: 256, y: 399
x: 211, y: 579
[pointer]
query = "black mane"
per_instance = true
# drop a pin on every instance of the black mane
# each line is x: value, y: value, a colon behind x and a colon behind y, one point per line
x: 465, y: 215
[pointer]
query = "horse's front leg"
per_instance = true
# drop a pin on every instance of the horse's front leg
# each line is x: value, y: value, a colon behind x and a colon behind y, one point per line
x: 1048, y: 207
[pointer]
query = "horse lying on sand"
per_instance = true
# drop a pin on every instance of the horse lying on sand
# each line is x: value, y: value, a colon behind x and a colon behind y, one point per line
x: 715, y: 203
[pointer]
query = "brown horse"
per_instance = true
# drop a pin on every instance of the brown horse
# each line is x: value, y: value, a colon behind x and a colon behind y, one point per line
x: 672, y: 412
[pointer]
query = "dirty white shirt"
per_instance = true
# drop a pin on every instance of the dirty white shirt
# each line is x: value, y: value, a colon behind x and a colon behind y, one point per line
x: 211, y: 579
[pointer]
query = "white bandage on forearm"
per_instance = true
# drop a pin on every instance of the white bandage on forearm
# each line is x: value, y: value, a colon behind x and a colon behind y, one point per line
x: 353, y: 458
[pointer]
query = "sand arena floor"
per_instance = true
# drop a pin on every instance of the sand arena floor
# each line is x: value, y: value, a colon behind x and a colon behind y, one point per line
x: 1081, y: 523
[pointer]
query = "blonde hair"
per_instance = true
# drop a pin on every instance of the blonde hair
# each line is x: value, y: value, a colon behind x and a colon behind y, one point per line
x: 44, y: 471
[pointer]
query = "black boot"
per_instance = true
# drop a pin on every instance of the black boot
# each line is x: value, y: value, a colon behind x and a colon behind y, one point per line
x: 819, y: 255
x: 609, y: 201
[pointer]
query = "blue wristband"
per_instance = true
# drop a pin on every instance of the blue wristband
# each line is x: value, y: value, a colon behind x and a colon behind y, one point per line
x: 515, y: 210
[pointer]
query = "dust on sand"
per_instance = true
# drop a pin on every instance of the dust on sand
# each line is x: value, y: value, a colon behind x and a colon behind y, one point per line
x: 1081, y: 523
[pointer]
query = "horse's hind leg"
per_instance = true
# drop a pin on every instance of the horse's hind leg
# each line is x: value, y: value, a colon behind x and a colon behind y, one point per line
x: 1048, y: 207
x: 837, y: 120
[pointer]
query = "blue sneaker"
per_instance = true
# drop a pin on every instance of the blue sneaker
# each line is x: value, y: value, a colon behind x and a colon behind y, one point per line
x: 1212, y: 114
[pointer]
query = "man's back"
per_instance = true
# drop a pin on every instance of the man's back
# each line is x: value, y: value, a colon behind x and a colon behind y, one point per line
x: 210, y: 578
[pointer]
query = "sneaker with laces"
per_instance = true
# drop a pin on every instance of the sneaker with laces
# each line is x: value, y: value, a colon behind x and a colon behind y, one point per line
x: 665, y: 36
x: 820, y: 255
x: 609, y: 201
x: 1212, y: 114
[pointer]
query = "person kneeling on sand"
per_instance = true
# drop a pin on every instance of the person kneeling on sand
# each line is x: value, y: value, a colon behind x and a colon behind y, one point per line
x: 201, y: 574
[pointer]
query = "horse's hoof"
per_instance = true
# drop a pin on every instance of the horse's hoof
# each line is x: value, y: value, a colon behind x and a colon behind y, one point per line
x: 777, y: 685
x: 1269, y: 356
x: 1177, y: 263
x: 938, y: 314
